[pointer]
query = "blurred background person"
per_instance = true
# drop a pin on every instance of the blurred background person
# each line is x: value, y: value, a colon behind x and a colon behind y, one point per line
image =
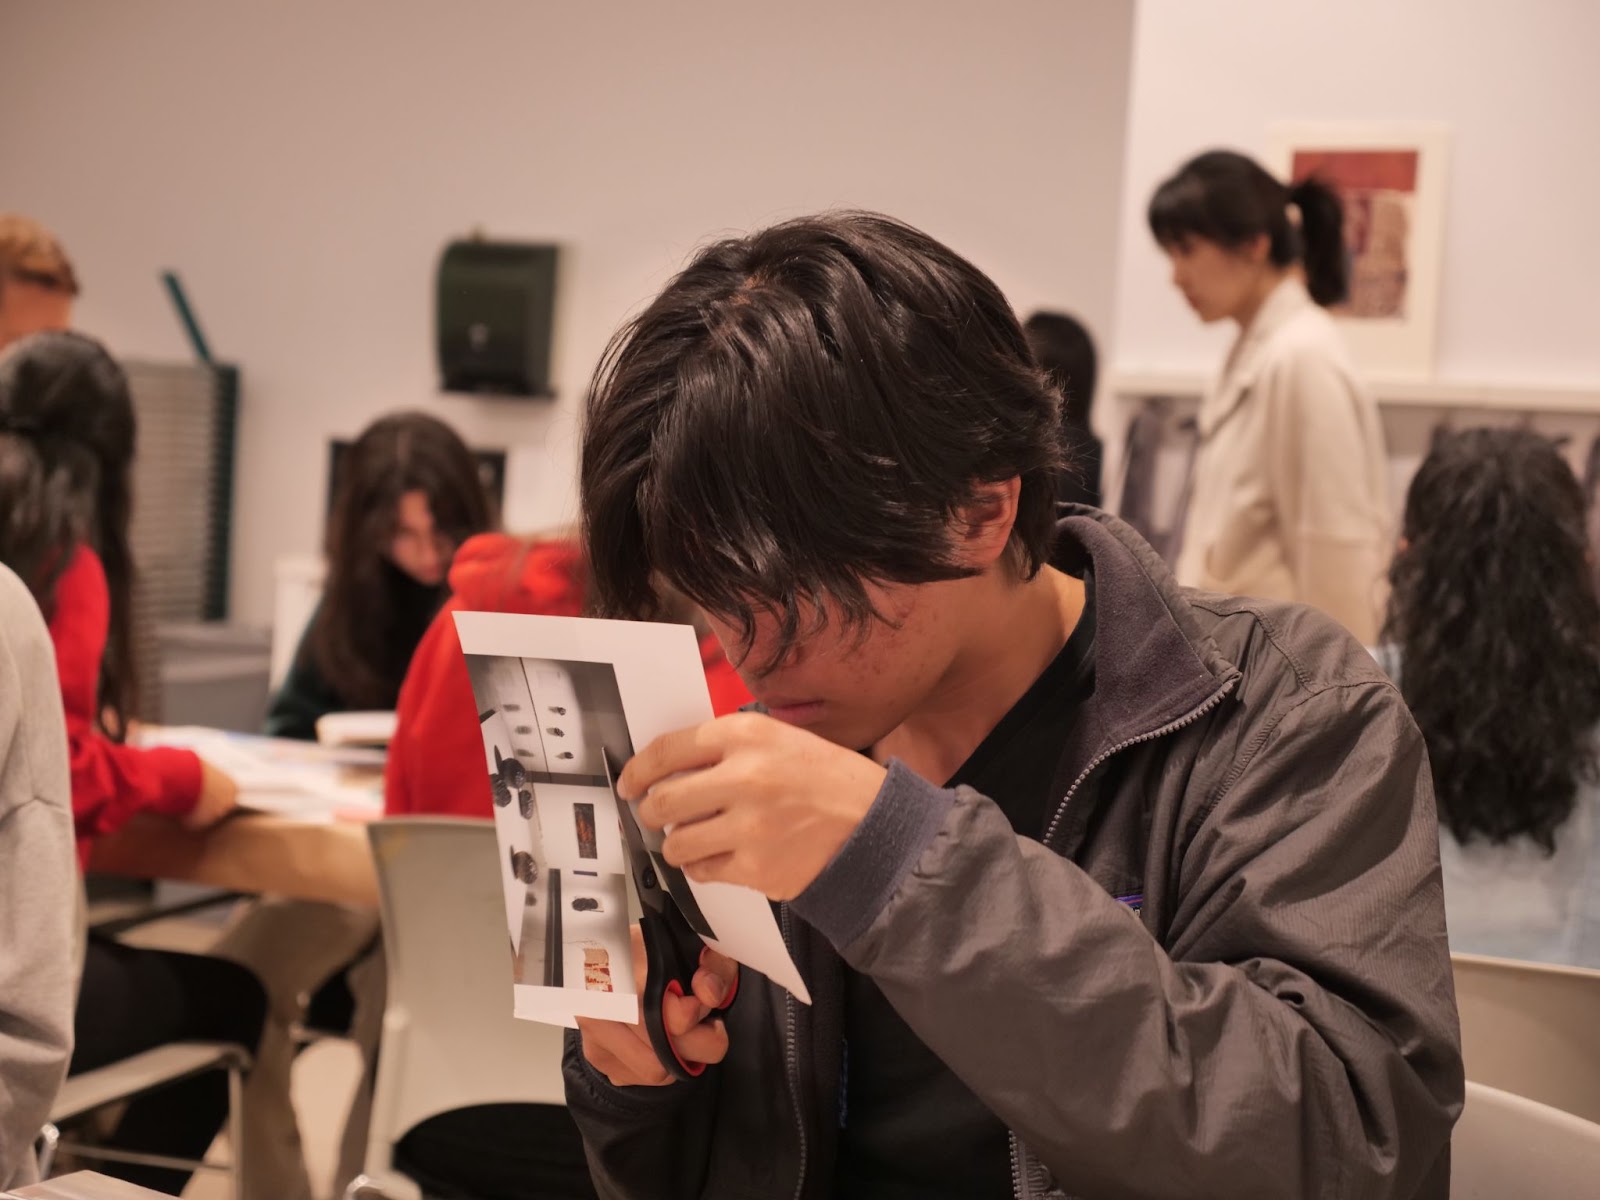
x: 67, y: 434
x: 408, y: 493
x: 39, y: 892
x: 1493, y: 633
x: 37, y: 282
x: 1288, y: 495
x: 1062, y: 346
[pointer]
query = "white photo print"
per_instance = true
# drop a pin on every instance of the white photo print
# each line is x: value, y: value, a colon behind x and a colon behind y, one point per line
x: 555, y: 696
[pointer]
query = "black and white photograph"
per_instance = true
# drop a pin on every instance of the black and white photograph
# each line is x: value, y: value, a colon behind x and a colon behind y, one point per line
x: 546, y: 726
x: 556, y: 698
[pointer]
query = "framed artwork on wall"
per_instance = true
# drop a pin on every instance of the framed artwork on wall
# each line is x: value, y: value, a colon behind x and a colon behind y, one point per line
x: 1391, y: 178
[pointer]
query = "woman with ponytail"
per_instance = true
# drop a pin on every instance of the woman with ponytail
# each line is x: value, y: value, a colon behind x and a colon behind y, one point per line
x: 1288, y: 495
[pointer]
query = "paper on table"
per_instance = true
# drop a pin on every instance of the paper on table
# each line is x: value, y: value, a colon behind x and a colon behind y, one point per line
x: 282, y: 775
x: 356, y: 728
x: 553, y: 694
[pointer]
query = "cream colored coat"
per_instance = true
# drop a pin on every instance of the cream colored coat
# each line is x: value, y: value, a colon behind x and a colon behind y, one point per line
x: 1289, y: 500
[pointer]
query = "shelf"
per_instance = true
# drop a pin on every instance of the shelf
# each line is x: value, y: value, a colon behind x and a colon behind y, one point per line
x: 1395, y: 393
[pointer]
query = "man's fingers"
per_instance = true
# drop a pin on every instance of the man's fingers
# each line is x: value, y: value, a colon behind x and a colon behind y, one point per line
x: 694, y: 796
x: 682, y: 750
x: 715, y: 979
x: 702, y: 838
x: 682, y: 1013
x: 705, y: 1043
x: 621, y: 1053
x: 624, y: 1056
x: 718, y: 868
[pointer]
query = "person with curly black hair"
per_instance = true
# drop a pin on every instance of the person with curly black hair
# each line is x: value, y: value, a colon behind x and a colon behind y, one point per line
x: 1495, y: 619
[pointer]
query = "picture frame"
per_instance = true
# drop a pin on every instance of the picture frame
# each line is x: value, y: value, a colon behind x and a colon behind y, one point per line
x: 1391, y: 176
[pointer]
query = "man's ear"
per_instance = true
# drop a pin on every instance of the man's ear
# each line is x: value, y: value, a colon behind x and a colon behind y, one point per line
x: 983, y: 526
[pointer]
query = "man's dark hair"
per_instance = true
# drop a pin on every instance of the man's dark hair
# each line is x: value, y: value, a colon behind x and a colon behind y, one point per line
x: 803, y: 412
x: 1494, y: 611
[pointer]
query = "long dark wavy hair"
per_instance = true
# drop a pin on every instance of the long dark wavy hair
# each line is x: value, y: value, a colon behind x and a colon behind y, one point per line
x: 66, y: 460
x: 359, y: 639
x: 1495, y: 613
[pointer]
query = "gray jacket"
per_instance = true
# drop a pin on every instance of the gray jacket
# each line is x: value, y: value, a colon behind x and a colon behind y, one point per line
x: 1223, y: 972
x: 38, y: 883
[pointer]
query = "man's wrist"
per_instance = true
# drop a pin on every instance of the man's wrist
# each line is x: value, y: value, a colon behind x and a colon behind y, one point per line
x: 849, y: 893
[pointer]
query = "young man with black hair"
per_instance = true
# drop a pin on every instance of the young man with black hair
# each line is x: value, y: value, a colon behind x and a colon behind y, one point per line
x: 1101, y: 887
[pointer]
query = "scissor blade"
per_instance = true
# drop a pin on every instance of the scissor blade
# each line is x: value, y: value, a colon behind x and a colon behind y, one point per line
x: 645, y: 882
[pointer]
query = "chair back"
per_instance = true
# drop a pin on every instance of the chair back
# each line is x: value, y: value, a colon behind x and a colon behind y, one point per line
x: 1507, y: 1145
x: 1532, y: 1029
x: 449, y: 1037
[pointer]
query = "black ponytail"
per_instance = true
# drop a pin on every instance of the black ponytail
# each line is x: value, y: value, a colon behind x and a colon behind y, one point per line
x: 1230, y: 199
x: 1322, y: 241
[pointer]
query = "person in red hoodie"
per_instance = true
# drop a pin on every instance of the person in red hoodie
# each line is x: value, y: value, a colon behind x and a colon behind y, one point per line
x: 435, y: 767
x: 66, y: 450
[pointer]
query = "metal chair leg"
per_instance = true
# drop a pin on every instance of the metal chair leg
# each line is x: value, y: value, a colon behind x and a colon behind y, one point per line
x: 49, y: 1140
x: 384, y: 1186
x: 236, y: 1128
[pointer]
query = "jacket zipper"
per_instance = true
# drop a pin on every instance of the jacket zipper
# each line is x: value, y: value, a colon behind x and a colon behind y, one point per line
x: 791, y: 1058
x: 1188, y: 718
x: 1019, y: 1188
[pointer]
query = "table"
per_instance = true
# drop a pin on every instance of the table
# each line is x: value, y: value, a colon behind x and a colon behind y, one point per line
x: 300, y: 832
x: 303, y: 858
x: 81, y: 1185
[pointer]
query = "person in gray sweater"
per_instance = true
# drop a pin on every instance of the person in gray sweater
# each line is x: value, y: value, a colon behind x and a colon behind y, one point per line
x: 38, y: 883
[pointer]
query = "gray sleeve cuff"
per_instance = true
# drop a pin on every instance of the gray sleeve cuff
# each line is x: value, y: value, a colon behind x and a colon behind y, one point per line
x: 844, y: 900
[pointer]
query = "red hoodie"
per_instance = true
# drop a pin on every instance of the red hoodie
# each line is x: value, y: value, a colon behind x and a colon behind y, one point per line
x: 436, y: 757
x: 110, y: 781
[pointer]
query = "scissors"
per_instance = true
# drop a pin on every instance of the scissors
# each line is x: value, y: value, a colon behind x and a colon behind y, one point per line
x: 672, y: 949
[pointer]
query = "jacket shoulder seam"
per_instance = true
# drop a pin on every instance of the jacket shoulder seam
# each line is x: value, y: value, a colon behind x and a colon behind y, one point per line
x: 1246, y: 760
x: 1267, y: 626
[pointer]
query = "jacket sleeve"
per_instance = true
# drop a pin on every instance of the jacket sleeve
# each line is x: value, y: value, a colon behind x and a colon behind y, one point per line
x: 38, y: 885
x: 304, y: 696
x: 1292, y: 1034
x: 1322, y: 444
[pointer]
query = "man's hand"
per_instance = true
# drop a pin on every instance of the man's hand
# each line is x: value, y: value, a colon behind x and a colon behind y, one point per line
x: 751, y: 800
x: 622, y: 1053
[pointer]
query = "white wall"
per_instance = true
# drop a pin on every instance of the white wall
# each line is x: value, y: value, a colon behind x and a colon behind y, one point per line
x: 1520, y: 285
x: 301, y: 164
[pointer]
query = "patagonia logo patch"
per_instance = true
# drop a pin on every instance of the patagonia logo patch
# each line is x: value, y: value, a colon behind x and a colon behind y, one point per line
x: 1134, y: 902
